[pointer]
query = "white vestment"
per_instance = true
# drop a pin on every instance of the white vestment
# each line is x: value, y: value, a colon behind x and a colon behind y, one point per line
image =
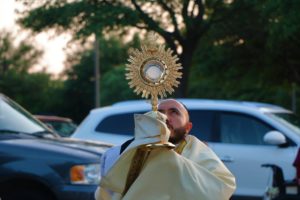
x: 166, y: 175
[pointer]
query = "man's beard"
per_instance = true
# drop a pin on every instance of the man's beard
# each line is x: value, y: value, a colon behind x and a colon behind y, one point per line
x: 178, y: 135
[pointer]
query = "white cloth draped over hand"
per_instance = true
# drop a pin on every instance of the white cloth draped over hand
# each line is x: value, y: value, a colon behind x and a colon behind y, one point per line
x: 195, y: 174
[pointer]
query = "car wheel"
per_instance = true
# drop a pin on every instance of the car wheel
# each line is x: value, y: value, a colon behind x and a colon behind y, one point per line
x: 25, y: 194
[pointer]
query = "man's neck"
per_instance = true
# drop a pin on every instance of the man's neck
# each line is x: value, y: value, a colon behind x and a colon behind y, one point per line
x: 180, y: 146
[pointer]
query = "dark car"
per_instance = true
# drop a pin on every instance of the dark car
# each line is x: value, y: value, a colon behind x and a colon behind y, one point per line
x: 37, y: 164
x: 62, y: 125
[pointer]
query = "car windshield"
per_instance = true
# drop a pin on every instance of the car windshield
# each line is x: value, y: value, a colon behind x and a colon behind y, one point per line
x: 291, y: 120
x: 15, y: 119
x: 64, y: 129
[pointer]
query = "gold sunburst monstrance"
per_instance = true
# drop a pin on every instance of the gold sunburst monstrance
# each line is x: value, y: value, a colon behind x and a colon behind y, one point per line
x: 153, y: 71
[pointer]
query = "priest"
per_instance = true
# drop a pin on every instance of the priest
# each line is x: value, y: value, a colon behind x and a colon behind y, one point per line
x: 165, y: 162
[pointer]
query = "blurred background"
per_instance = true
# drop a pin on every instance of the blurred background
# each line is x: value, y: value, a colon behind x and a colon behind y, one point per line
x: 65, y: 57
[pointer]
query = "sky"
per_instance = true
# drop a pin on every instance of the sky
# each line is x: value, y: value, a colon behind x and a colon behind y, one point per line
x: 53, y: 47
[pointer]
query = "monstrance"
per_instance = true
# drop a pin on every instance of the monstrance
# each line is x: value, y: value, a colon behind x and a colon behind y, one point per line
x: 153, y: 71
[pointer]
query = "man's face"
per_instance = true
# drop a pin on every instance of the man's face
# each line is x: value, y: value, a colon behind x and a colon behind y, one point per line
x: 178, y: 120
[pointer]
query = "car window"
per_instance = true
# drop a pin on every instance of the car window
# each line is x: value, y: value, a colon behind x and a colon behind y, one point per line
x: 123, y: 124
x: 15, y: 118
x: 203, y: 124
x: 289, y: 120
x: 119, y: 124
x: 64, y: 129
x: 242, y: 129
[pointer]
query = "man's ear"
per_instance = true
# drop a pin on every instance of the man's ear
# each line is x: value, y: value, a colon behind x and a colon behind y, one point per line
x: 188, y: 127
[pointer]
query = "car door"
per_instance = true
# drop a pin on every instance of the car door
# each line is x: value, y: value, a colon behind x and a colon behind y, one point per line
x: 241, y: 147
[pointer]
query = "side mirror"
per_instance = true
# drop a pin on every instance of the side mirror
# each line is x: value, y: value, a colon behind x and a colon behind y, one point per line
x: 275, y: 138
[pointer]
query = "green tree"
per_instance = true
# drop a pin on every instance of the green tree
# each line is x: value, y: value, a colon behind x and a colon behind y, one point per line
x: 19, y: 57
x: 252, y: 57
x: 115, y: 87
x: 31, y: 90
x: 182, y: 23
x: 283, y: 42
x: 78, y: 92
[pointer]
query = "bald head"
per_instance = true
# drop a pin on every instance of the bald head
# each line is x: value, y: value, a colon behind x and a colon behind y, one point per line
x: 177, y: 104
x: 178, y: 119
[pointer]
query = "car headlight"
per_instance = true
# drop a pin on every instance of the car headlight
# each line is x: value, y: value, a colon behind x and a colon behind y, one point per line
x: 85, y: 174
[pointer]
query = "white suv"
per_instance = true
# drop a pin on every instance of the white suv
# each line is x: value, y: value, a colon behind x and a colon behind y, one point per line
x: 244, y: 135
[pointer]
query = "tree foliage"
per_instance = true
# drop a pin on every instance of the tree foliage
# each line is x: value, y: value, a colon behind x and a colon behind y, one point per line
x: 283, y: 42
x: 251, y: 58
x: 80, y: 83
x: 230, y: 49
x: 181, y: 23
x: 19, y: 57
x: 32, y: 90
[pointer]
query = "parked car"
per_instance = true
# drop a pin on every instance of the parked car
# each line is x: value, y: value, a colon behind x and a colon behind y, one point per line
x: 37, y: 164
x: 62, y: 125
x: 244, y: 135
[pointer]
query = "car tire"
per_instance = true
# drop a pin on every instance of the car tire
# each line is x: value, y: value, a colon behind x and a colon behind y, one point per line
x: 25, y: 194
